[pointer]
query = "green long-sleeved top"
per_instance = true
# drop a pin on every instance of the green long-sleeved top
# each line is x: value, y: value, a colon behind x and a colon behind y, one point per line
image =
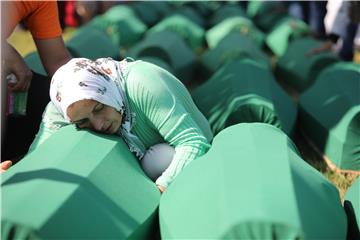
x: 165, y: 112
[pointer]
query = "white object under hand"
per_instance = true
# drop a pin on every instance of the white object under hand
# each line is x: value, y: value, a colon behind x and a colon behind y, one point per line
x: 156, y: 159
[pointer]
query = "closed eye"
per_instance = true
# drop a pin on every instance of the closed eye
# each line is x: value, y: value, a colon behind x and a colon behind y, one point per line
x: 98, y: 108
x: 81, y: 123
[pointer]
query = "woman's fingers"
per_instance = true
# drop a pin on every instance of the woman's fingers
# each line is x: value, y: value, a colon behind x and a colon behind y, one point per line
x: 5, y: 165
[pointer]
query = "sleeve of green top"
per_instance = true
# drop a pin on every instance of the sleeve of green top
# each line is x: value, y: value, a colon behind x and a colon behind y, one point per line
x: 162, y: 99
x: 51, y: 122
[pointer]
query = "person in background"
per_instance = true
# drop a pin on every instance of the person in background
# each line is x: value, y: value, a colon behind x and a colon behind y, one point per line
x: 42, y: 20
x: 140, y: 102
x: 341, y: 23
x: 312, y: 13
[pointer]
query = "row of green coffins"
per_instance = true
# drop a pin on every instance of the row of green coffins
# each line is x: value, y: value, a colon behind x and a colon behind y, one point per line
x: 298, y: 68
x: 251, y: 184
x: 243, y: 90
x: 330, y: 114
x: 168, y: 50
x: 120, y: 28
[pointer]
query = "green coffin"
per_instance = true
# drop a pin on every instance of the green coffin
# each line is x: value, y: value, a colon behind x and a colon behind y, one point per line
x: 189, y: 31
x: 159, y: 62
x: 78, y: 185
x: 169, y: 47
x: 33, y: 61
x: 285, y: 31
x: 244, y: 91
x: 240, y: 25
x: 252, y: 184
x: 353, y: 195
x: 232, y: 46
x: 121, y: 24
x: 150, y: 12
x: 299, y: 70
x: 92, y: 43
x: 226, y: 11
x: 332, y: 107
x: 191, y: 14
x: 204, y: 8
x: 266, y: 14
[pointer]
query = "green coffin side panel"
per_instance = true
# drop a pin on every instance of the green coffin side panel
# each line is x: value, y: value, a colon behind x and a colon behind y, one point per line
x: 232, y: 46
x: 266, y: 14
x: 332, y: 107
x: 121, y: 24
x: 33, y: 61
x: 300, y: 70
x: 79, y: 185
x: 151, y: 12
x: 240, y: 25
x: 189, y: 31
x: 90, y: 42
x: 353, y: 195
x: 169, y: 47
x: 251, y: 184
x: 244, y: 91
x: 285, y: 31
x: 225, y: 11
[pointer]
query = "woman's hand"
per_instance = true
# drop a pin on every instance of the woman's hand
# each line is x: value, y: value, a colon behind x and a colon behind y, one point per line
x: 13, y: 63
x: 5, y: 165
x: 161, y: 188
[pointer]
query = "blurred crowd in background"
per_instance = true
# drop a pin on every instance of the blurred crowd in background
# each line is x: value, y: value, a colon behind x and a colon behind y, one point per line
x: 335, y: 22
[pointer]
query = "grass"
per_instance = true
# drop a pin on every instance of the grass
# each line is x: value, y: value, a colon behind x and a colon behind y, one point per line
x: 341, y: 180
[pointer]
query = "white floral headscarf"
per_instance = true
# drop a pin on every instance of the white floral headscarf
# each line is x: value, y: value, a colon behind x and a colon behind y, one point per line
x: 101, y: 80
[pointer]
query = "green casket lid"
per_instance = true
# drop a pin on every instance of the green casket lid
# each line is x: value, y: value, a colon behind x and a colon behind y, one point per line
x: 232, y: 46
x: 244, y: 91
x: 151, y: 12
x: 240, y: 25
x: 266, y: 14
x: 33, y: 61
x: 189, y: 31
x: 332, y: 107
x: 90, y: 42
x: 251, y: 184
x: 285, y: 31
x: 226, y: 11
x: 299, y: 70
x: 121, y: 24
x: 78, y: 185
x: 191, y: 14
x: 169, y: 47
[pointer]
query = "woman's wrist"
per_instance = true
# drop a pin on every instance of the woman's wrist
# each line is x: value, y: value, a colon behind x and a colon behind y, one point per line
x: 161, y: 188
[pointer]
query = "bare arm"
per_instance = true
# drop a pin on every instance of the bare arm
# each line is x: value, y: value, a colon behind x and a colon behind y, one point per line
x: 12, y: 62
x: 53, y: 53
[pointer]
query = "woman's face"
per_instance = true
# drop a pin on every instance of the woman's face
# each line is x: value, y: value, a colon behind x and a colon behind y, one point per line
x: 94, y: 115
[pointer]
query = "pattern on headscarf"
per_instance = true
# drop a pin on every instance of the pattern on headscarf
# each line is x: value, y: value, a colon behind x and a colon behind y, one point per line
x: 102, y: 80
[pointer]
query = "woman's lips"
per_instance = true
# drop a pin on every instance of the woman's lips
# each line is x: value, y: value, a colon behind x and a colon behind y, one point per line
x: 109, y: 128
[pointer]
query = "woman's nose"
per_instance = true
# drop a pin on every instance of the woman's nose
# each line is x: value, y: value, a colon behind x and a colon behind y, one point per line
x: 97, y: 123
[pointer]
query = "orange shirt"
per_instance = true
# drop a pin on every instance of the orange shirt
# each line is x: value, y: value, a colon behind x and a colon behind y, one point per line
x: 41, y: 18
